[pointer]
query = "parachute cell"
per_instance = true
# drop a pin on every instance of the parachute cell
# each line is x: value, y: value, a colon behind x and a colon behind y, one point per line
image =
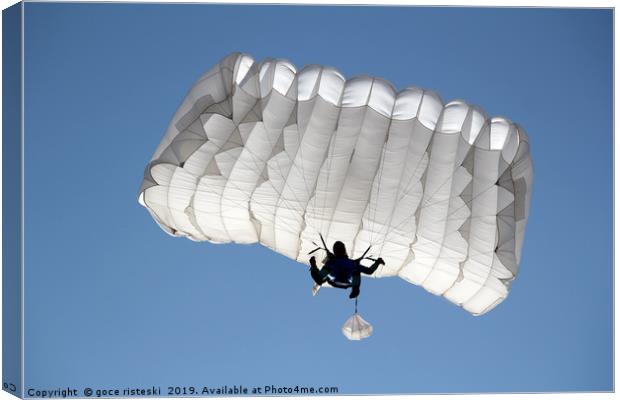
x: 259, y: 152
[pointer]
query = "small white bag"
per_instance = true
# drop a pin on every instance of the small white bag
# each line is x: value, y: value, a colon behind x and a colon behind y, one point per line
x: 356, y: 328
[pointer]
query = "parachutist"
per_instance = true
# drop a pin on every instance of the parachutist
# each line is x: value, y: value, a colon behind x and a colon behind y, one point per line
x: 340, y: 271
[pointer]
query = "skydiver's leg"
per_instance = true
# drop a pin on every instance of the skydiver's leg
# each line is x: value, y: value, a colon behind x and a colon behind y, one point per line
x: 319, y: 276
x: 356, y: 281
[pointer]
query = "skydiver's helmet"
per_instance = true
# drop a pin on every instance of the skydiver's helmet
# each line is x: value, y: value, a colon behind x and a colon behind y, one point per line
x: 340, y: 250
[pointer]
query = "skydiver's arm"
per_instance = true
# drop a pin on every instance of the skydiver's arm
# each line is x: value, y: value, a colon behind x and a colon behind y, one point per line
x: 370, y: 270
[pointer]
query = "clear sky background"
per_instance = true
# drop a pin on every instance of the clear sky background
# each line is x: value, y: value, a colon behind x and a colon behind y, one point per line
x: 113, y: 301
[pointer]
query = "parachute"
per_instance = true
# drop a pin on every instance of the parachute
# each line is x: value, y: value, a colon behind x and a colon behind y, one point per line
x: 261, y: 152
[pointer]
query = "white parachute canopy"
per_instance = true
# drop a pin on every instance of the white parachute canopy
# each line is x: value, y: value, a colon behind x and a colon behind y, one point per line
x: 261, y: 152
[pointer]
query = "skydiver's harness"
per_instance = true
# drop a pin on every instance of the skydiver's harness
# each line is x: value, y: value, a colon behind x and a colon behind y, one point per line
x: 338, y: 284
x: 331, y: 279
x: 355, y: 328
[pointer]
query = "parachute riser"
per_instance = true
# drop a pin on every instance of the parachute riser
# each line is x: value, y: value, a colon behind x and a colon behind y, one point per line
x: 329, y: 253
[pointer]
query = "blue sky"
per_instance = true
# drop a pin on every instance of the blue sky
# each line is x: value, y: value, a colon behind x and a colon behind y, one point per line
x: 111, y: 300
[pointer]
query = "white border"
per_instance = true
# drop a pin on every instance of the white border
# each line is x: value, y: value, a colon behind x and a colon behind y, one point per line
x: 22, y: 205
x: 479, y: 3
